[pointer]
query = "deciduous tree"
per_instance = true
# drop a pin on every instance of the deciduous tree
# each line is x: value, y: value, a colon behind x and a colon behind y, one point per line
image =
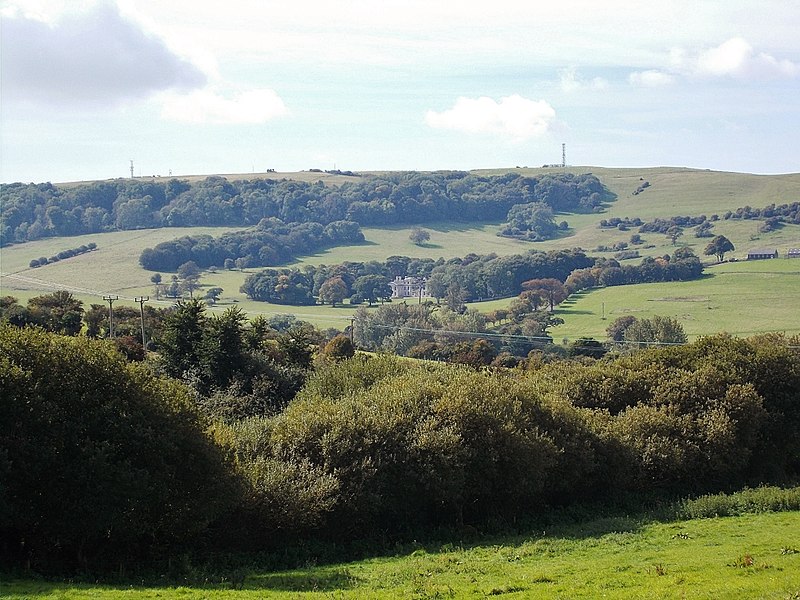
x: 718, y: 247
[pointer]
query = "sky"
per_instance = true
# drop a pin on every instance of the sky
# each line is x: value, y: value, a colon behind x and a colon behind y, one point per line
x: 185, y: 87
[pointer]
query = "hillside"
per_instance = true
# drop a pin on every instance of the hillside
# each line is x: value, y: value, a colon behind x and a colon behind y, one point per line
x: 114, y: 267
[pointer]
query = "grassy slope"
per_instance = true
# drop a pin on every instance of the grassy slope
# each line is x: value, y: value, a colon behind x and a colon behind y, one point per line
x: 742, y: 298
x: 114, y: 267
x: 614, y: 558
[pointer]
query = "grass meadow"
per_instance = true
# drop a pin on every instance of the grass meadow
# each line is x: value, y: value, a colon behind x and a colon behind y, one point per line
x: 735, y: 298
x: 741, y: 298
x: 747, y: 556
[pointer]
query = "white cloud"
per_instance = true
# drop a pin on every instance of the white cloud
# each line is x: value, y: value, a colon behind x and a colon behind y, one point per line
x: 209, y: 106
x: 91, y: 57
x: 570, y: 81
x: 733, y: 58
x: 513, y: 116
x: 650, y: 78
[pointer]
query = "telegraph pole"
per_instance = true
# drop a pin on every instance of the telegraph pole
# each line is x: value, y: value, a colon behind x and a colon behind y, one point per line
x: 141, y: 300
x: 110, y: 300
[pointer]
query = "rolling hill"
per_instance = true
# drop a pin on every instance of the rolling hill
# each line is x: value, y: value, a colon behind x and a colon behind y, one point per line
x: 770, y: 287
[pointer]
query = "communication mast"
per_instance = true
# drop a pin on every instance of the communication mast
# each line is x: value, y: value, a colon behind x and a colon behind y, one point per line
x: 131, y: 168
x: 563, y: 155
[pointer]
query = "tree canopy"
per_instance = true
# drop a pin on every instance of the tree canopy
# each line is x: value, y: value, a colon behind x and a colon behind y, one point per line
x: 718, y: 247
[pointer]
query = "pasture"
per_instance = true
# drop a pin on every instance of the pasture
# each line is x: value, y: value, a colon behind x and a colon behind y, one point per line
x: 740, y: 298
x: 748, y: 556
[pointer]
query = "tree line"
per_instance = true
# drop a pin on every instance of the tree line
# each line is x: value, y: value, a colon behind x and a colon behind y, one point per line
x: 34, y: 211
x: 458, y: 280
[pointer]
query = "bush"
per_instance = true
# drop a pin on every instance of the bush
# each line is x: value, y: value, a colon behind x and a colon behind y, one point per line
x: 104, y: 462
x: 749, y: 500
x: 339, y: 348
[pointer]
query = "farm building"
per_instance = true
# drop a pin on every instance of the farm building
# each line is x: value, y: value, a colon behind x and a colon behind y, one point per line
x: 761, y: 253
x: 408, y: 287
x: 793, y: 253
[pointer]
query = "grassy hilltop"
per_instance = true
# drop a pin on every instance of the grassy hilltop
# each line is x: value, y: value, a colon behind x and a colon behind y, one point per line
x: 767, y: 287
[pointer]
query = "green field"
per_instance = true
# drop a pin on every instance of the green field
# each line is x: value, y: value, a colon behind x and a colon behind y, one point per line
x: 751, y: 556
x: 741, y: 298
x: 770, y: 297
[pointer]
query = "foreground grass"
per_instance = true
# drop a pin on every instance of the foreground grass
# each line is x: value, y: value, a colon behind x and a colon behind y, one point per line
x: 749, y: 556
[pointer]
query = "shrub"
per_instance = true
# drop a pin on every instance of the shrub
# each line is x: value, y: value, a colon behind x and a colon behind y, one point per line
x: 339, y: 348
x: 109, y: 462
x: 749, y: 500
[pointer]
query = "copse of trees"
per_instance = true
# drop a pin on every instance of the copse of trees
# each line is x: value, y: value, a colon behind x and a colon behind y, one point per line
x: 272, y: 242
x: 34, y: 211
x: 469, y: 278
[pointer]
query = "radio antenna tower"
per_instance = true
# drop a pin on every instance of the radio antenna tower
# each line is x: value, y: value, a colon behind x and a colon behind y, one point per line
x: 563, y: 155
x: 131, y: 168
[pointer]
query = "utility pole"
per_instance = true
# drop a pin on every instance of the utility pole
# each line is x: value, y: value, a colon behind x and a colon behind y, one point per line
x: 110, y: 300
x: 131, y: 168
x: 352, y: 328
x: 141, y: 300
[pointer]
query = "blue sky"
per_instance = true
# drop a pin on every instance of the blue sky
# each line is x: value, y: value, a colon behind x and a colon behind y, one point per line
x: 201, y: 87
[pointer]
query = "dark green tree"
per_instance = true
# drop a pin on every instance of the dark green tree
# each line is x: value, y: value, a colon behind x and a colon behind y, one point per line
x: 655, y: 331
x: 616, y: 331
x: 372, y: 288
x: 419, y: 236
x: 718, y: 247
x: 212, y: 295
x: 180, y: 343
x: 223, y: 349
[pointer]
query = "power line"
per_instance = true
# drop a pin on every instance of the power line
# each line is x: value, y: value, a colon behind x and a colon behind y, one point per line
x: 511, y: 336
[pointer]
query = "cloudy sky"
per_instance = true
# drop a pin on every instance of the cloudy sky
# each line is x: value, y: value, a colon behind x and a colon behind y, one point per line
x: 201, y: 87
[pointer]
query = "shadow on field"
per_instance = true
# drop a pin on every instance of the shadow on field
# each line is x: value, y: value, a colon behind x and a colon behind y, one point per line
x: 316, y: 580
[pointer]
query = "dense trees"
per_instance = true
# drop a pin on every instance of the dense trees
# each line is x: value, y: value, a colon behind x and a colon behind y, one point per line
x: 470, y: 278
x: 279, y: 286
x: 271, y: 242
x: 58, y: 312
x: 41, y: 210
x: 533, y: 222
x: 655, y: 330
x: 102, y: 462
x: 683, y: 265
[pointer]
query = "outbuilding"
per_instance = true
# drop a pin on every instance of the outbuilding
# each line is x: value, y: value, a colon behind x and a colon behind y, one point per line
x: 762, y: 253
